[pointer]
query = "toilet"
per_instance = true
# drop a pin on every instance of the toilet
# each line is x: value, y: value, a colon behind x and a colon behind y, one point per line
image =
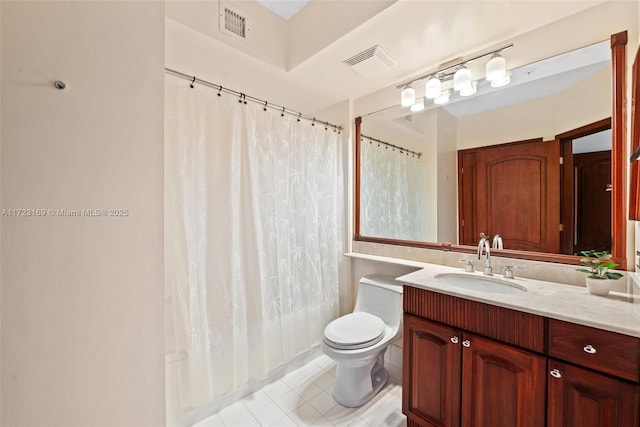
x: 357, y: 341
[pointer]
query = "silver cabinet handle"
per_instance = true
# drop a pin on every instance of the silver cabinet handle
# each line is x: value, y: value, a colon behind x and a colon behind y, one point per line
x: 454, y: 340
x: 589, y: 349
x: 466, y: 343
x: 555, y: 373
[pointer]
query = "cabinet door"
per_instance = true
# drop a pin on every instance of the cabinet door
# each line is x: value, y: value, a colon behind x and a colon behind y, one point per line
x: 502, y: 386
x: 431, y: 373
x: 583, y: 398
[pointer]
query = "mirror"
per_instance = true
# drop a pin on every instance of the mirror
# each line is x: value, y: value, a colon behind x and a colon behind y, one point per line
x: 409, y: 186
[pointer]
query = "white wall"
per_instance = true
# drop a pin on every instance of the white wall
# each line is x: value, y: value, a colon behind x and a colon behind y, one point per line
x: 82, y: 297
x: 579, y: 105
x: 446, y: 177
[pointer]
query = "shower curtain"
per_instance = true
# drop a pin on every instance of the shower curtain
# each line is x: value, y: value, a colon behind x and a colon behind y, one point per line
x: 393, y: 189
x: 253, y: 237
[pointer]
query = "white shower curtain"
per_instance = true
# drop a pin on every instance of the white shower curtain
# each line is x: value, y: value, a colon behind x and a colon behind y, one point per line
x: 392, y: 193
x: 253, y: 229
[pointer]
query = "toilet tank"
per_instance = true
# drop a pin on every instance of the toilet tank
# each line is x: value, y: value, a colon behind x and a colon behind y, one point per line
x: 382, y: 296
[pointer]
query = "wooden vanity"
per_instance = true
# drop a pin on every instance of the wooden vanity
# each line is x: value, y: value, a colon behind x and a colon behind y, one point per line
x: 469, y: 363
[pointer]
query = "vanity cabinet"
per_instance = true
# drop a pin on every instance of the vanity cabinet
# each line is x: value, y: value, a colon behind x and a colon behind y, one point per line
x: 452, y: 376
x: 467, y: 363
x: 466, y: 377
x: 501, y: 385
x: 587, y: 397
x: 580, y: 397
x: 432, y: 351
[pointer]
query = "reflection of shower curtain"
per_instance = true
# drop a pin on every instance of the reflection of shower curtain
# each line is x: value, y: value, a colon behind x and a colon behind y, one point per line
x: 392, y: 194
x: 253, y: 229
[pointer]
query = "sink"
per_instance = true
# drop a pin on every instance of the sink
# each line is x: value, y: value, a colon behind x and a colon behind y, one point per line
x: 480, y: 283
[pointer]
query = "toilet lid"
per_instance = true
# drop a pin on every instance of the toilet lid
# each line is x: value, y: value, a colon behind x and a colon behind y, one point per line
x: 355, y: 330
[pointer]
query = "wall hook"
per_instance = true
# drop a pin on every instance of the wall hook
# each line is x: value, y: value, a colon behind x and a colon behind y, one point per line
x: 299, y: 115
x: 282, y: 114
x: 265, y: 106
x: 219, y: 91
x: 60, y: 84
x: 314, y: 122
x: 192, y: 82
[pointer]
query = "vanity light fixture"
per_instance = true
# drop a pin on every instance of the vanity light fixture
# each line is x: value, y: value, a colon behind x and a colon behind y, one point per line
x: 501, y: 82
x: 462, y: 79
x: 496, y: 74
x: 469, y: 90
x: 443, y: 98
x: 418, y: 105
x: 408, y: 96
x: 496, y: 68
x: 433, y: 87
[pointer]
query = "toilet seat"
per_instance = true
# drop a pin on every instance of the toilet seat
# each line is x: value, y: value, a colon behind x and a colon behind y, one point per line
x: 354, y: 331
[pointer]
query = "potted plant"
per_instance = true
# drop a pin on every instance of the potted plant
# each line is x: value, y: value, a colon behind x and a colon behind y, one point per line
x: 598, y: 265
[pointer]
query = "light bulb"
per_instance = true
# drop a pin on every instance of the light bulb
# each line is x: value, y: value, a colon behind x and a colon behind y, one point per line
x: 496, y: 68
x: 433, y: 88
x: 443, y: 98
x: 469, y: 90
x: 418, y: 106
x: 407, y: 96
x: 461, y: 78
x: 502, y: 82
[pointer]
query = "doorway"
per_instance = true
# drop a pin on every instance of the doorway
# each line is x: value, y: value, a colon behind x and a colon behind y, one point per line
x: 586, y: 188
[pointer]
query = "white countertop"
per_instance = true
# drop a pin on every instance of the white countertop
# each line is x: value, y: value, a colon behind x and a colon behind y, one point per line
x: 617, y: 312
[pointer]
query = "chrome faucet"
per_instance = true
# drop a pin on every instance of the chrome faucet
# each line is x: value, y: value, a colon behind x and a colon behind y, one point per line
x: 484, y: 243
x: 497, y: 242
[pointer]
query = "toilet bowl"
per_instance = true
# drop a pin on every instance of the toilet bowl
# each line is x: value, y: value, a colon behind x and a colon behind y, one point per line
x: 358, y: 340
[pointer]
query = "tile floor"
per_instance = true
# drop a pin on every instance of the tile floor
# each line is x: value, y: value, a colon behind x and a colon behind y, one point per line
x: 303, y: 398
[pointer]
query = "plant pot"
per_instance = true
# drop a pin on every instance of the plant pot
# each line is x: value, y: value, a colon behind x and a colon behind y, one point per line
x: 599, y: 286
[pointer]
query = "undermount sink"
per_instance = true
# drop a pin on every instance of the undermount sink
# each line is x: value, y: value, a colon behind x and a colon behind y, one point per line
x: 480, y: 283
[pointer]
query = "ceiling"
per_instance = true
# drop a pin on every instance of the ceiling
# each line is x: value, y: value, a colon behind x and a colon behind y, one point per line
x: 298, y: 61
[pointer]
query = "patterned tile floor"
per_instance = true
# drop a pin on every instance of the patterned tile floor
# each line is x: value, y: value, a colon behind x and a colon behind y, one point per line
x: 303, y: 398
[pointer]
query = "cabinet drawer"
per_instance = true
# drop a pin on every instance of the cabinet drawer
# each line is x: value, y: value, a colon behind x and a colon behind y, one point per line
x: 501, y: 324
x: 605, y: 351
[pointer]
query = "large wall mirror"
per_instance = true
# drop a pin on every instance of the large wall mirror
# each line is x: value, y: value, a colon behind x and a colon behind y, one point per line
x: 540, y: 162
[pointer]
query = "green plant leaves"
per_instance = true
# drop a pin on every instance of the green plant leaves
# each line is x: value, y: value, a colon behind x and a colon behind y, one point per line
x: 598, y: 265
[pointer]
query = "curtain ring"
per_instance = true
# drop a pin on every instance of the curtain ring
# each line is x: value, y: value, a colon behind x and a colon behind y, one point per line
x: 265, y: 106
x: 219, y: 91
x: 192, y: 82
x: 299, y: 115
x: 314, y: 122
x: 282, y: 114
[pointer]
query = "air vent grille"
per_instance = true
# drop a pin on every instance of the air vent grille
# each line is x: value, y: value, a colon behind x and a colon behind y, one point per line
x: 233, y: 22
x: 371, y: 61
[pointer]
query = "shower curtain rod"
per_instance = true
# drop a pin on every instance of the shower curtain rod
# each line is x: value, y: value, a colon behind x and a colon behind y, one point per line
x: 242, y: 97
x: 387, y: 144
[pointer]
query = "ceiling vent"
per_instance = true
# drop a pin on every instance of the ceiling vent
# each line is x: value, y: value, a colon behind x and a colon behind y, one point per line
x: 233, y: 22
x: 370, y: 62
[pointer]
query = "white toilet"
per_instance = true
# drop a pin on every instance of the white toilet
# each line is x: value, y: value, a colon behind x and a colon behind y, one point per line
x: 357, y: 341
